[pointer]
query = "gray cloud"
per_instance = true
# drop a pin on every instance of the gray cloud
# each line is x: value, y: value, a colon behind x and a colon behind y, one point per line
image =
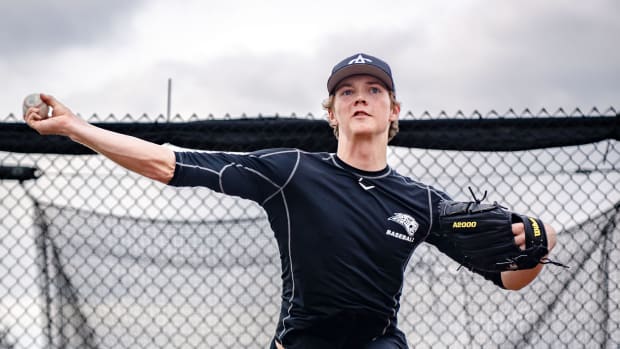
x: 478, y: 56
x: 559, y: 54
x: 519, y: 54
x: 533, y: 57
x: 31, y: 26
x: 282, y: 83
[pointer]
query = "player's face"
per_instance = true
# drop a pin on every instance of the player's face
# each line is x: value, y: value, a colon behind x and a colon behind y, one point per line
x: 362, y: 108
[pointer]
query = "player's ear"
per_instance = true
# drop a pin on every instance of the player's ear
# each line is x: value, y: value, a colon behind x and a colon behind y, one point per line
x: 331, y: 118
x: 395, y: 112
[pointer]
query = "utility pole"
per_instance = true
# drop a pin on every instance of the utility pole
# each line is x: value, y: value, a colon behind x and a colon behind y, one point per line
x: 169, y: 99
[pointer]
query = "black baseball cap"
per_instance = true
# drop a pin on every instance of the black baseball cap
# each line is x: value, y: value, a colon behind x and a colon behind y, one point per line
x: 360, y: 63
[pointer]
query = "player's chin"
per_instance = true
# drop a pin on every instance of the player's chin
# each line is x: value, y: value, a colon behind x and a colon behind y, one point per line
x: 363, y: 134
x: 366, y: 127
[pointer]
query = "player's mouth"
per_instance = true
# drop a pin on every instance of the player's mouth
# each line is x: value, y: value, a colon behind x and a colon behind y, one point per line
x: 360, y: 113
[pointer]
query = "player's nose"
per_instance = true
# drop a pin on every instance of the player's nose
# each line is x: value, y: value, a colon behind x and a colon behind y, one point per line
x: 360, y: 98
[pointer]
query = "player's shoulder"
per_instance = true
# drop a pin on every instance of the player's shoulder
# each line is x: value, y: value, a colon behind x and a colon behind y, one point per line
x: 416, y: 185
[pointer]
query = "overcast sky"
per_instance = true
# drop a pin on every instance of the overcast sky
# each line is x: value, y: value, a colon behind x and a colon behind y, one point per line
x: 274, y: 56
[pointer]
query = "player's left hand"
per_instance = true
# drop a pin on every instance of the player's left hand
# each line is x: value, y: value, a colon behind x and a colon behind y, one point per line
x: 518, y: 230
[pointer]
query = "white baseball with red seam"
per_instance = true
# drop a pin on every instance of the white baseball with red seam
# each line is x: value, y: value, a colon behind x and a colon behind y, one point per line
x: 34, y: 100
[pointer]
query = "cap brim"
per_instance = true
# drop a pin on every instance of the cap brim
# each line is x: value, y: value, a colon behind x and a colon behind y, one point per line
x: 358, y: 69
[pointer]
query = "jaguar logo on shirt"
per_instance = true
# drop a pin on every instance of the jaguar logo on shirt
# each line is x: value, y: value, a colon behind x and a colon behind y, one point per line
x: 407, y: 222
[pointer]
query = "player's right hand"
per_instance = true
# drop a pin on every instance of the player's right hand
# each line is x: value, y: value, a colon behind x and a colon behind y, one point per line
x: 59, y: 123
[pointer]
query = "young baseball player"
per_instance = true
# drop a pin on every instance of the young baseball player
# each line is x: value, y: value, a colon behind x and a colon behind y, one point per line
x: 346, y: 224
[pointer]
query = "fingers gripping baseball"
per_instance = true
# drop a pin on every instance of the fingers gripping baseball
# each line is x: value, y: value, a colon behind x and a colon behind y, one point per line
x: 57, y: 123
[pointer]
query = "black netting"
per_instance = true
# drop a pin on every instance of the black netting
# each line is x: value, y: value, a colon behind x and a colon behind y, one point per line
x: 96, y: 257
x: 172, y: 284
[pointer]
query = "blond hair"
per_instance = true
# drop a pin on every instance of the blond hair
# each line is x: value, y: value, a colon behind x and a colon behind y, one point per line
x: 328, y: 105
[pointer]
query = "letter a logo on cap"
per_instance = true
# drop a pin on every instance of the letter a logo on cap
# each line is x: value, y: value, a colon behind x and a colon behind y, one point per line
x: 360, y: 60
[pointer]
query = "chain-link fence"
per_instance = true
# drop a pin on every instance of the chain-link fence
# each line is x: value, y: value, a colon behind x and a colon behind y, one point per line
x: 96, y: 257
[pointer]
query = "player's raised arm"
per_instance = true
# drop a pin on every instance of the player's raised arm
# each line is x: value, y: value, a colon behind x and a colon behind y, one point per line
x: 145, y: 158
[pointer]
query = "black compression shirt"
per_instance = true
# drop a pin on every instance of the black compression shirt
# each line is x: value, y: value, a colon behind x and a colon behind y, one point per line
x: 345, y: 235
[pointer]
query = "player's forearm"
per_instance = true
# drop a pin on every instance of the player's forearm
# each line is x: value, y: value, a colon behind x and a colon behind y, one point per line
x: 517, y: 279
x: 137, y: 155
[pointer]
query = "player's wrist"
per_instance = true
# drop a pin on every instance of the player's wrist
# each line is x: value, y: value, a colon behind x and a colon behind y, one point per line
x: 79, y: 130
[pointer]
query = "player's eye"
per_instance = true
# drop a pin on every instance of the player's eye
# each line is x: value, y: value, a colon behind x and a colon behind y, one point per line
x: 346, y: 92
x: 375, y: 90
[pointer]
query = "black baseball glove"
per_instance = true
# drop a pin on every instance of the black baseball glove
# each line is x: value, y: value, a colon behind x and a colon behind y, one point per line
x: 483, y: 234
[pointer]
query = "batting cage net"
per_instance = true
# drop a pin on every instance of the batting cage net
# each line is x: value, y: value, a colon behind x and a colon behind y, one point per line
x: 96, y: 257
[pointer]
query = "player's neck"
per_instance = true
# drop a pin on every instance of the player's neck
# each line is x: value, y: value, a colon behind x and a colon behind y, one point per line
x: 367, y: 155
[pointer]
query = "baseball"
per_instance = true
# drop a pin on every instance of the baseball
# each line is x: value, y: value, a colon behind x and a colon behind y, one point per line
x: 34, y: 100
